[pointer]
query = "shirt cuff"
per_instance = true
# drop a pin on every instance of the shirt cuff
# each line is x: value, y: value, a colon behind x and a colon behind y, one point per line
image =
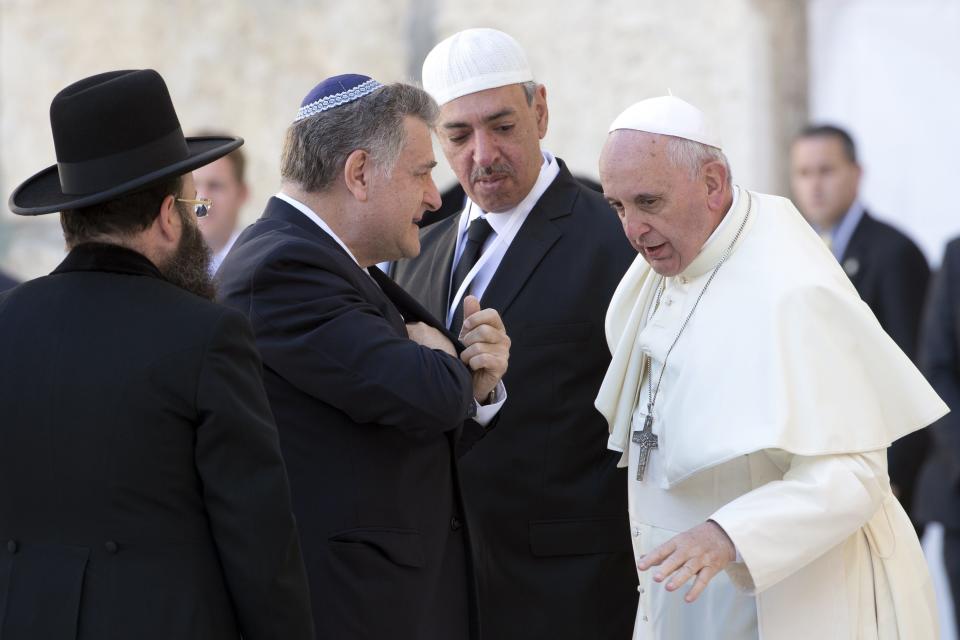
x: 487, y: 412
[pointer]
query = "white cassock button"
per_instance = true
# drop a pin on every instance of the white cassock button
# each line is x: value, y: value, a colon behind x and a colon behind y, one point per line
x: 668, y: 301
x: 683, y: 280
x: 645, y: 618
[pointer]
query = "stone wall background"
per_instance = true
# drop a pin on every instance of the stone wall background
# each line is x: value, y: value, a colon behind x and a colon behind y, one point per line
x: 243, y: 67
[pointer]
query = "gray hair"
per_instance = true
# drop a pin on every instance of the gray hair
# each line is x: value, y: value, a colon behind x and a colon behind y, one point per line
x: 692, y: 155
x: 530, y: 90
x: 316, y: 148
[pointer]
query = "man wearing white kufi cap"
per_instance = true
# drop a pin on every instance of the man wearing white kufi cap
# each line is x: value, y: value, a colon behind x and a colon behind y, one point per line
x: 753, y: 396
x: 547, y: 504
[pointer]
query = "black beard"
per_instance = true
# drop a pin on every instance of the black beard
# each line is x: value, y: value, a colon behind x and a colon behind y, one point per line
x: 189, y: 266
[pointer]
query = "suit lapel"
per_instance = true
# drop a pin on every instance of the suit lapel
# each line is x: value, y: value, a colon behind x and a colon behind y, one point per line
x: 407, y: 305
x: 439, y: 266
x: 535, y: 238
x: 853, y: 254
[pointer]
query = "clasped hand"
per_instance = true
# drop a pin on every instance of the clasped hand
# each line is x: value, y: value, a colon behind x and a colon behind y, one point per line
x: 486, y: 341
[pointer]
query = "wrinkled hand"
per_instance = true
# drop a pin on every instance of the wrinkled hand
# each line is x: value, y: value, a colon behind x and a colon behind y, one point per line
x: 427, y: 336
x: 487, y: 347
x: 703, y: 551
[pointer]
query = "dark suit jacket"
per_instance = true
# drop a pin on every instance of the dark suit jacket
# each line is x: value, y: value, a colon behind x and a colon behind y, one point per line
x: 367, y: 419
x: 6, y: 282
x: 143, y: 492
x: 547, y: 503
x: 938, y: 495
x: 891, y: 275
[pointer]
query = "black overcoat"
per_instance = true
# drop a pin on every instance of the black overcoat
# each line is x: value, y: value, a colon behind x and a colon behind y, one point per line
x: 142, y: 490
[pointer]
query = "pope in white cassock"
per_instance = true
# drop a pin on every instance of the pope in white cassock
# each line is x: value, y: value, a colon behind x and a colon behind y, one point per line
x: 753, y: 395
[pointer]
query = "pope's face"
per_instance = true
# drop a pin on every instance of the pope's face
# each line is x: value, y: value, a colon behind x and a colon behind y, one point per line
x: 824, y: 180
x: 663, y: 208
x: 491, y: 139
x: 401, y: 198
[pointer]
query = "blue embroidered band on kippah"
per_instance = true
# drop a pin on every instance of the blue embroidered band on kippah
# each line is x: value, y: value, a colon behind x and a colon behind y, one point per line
x: 319, y: 101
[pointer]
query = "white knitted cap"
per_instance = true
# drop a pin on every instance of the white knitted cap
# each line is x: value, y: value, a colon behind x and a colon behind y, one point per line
x: 474, y: 60
x: 668, y: 116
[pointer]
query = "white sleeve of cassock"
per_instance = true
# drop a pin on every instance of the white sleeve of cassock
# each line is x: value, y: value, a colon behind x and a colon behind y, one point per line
x: 784, y: 525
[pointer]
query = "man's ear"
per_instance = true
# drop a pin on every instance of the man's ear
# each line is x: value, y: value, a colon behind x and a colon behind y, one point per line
x: 540, y: 107
x: 715, y: 180
x: 168, y: 226
x: 356, y: 174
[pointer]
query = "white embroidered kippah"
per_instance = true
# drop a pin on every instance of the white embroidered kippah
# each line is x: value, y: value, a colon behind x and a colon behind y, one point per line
x: 334, y: 92
x: 669, y: 116
x: 471, y: 61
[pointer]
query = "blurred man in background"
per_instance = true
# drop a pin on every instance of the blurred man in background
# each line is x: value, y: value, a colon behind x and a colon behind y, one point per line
x: 938, y: 486
x: 888, y: 270
x: 223, y: 182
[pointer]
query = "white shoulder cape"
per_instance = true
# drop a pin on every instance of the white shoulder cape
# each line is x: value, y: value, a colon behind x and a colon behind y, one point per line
x: 783, y: 353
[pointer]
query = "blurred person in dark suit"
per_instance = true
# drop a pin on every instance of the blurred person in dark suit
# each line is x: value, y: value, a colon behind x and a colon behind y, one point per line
x: 887, y: 268
x: 370, y: 392
x: 144, y: 494
x: 224, y: 182
x: 937, y: 498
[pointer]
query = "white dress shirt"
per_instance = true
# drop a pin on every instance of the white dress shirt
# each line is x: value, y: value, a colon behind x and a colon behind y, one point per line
x: 505, y: 226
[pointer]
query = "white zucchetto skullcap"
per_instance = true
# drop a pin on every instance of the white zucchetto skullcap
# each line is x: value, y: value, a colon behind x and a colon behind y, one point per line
x: 668, y: 116
x: 474, y: 60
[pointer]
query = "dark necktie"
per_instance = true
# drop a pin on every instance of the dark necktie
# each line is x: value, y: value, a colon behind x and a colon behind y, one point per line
x: 477, y: 234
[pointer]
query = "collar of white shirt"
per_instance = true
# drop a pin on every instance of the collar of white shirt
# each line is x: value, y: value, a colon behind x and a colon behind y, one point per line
x: 505, y: 225
x: 500, y: 221
x: 307, y: 211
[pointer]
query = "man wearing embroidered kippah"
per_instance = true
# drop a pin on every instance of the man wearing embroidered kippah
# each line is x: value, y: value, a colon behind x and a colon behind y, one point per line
x: 369, y: 391
x: 546, y: 502
x: 753, y: 396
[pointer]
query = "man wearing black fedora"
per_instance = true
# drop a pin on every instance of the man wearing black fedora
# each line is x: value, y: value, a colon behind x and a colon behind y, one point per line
x: 142, y: 491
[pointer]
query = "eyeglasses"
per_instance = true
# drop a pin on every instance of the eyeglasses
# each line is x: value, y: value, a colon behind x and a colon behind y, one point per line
x: 201, y: 206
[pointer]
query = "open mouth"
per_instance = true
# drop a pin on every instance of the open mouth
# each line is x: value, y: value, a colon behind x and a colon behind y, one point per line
x: 655, y: 251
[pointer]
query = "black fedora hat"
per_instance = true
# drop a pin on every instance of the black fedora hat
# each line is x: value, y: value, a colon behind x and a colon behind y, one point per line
x: 114, y: 133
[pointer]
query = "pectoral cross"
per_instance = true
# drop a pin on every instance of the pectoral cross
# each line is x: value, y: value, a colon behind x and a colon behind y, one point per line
x: 646, y: 440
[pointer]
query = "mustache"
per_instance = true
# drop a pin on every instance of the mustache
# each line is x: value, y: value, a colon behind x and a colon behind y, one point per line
x: 495, y: 170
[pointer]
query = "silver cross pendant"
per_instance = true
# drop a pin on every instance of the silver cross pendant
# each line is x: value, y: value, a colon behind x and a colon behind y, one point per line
x: 646, y: 440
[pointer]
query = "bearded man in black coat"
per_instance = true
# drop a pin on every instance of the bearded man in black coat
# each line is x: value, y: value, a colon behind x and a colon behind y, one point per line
x: 144, y: 495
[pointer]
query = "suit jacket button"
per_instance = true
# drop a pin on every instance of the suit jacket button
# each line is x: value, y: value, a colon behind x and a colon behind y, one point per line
x: 455, y: 523
x: 111, y: 546
x: 12, y: 546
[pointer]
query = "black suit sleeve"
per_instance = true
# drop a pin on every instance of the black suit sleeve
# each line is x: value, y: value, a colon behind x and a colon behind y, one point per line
x: 245, y: 489
x: 939, y: 357
x: 318, y: 332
